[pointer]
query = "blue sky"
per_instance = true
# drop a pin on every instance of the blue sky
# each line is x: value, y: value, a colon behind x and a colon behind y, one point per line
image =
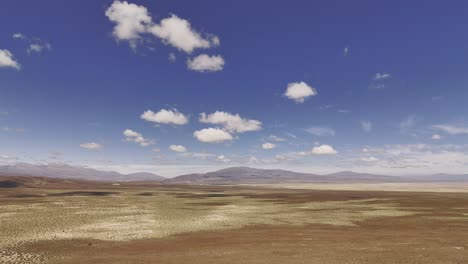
x: 317, y: 86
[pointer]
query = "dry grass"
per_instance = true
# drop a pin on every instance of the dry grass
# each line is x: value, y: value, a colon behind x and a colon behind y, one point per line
x: 390, y: 187
x: 126, y: 216
x: 129, y: 216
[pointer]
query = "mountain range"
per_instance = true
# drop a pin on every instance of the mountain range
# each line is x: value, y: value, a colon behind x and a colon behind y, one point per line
x: 233, y: 175
x: 66, y: 171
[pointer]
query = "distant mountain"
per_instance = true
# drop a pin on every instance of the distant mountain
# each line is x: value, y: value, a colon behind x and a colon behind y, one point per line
x: 350, y: 176
x: 233, y: 175
x: 246, y: 175
x: 11, y: 182
x: 66, y: 171
x: 441, y: 177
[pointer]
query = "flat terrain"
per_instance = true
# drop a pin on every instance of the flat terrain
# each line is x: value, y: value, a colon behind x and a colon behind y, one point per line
x: 132, y: 223
x: 451, y: 187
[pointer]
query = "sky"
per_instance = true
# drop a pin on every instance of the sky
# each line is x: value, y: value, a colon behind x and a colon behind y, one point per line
x: 175, y: 87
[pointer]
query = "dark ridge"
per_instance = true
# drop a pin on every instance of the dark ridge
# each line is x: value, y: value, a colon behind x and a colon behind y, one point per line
x: 145, y: 194
x: 8, y: 184
x: 82, y: 193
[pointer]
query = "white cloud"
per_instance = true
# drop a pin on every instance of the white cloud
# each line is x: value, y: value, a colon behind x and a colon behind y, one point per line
x: 275, y: 138
x: 178, y: 33
x: 379, y: 80
x: 320, y: 131
x: 19, y: 36
x: 91, y: 146
x: 346, y: 51
x: 268, y: 145
x: 206, y: 63
x: 132, y: 136
x: 199, y: 155
x: 172, y: 57
x: 382, y: 76
x: 7, y: 60
x: 131, y: 20
x: 436, y: 137
x: 222, y: 158
x: 38, y: 47
x: 417, y: 158
x: 370, y: 159
x: 366, y: 126
x: 164, y: 116
x: 299, y: 91
x: 8, y: 158
x: 212, y: 135
x: 178, y: 148
x: 451, y: 129
x: 323, y: 150
x: 35, y: 44
x: 230, y: 122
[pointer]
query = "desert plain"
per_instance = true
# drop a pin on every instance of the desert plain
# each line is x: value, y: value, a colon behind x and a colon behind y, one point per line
x: 90, y: 222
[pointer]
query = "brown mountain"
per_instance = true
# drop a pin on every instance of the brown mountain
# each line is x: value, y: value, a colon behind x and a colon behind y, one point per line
x: 246, y: 175
x: 66, y: 171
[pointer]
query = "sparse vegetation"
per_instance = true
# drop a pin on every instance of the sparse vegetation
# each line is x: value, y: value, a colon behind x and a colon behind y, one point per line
x: 137, y: 214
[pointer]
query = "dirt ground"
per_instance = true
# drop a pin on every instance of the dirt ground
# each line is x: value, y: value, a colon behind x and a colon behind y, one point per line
x: 177, y: 224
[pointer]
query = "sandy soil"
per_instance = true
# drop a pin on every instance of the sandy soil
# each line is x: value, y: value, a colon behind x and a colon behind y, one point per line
x: 176, y: 224
x: 390, y: 187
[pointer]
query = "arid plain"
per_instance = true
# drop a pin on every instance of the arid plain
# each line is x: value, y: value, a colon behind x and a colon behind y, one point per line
x: 86, y: 222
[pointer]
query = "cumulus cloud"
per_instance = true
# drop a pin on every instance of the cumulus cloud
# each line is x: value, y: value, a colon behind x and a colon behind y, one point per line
x: 436, y: 137
x: 323, y: 150
x: 299, y: 91
x: 91, y: 146
x: 212, y: 135
x: 171, y: 116
x: 206, y: 63
x: 132, y: 136
x: 178, y: 32
x: 7, y: 60
x: 320, y: 131
x: 178, y: 148
x: 132, y: 21
x: 232, y: 123
x: 319, y: 150
x: 451, y: 129
x: 366, y: 126
x: 268, y: 145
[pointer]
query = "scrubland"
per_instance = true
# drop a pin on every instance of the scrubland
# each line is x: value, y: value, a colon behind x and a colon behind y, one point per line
x: 119, y: 215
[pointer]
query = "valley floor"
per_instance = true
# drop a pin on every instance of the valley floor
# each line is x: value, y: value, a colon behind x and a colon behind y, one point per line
x: 229, y: 224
